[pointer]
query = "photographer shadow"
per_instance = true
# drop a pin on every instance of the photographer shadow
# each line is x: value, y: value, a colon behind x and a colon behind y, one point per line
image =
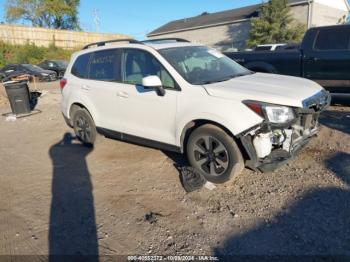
x: 72, y: 231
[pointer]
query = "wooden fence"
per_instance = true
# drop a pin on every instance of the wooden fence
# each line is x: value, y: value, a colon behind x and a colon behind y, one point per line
x: 44, y: 37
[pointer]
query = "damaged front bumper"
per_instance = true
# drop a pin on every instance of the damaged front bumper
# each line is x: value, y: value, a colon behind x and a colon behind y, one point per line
x: 278, y: 156
x: 269, y: 146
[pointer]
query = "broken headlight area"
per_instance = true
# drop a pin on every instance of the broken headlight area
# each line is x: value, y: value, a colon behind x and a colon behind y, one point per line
x: 283, y: 133
x: 270, y: 145
x: 274, y: 114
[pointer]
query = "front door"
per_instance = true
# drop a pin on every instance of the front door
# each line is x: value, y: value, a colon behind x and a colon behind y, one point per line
x: 144, y: 113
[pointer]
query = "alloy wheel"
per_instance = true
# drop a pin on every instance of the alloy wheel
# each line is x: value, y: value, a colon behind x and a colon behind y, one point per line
x: 83, y: 129
x: 211, y: 155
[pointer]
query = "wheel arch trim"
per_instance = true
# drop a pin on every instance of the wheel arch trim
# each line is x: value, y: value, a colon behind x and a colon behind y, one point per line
x: 80, y: 105
x: 187, y: 129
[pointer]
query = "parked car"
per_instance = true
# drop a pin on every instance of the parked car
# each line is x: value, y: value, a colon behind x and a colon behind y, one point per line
x: 190, y: 99
x: 324, y: 57
x: 33, y: 70
x: 59, y: 66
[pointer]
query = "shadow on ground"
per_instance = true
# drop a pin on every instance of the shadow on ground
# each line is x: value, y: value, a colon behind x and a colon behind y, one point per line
x: 318, y: 223
x: 339, y: 120
x: 72, y: 231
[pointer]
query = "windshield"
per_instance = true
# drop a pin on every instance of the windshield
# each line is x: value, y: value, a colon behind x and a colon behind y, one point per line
x: 32, y: 67
x: 201, y: 65
x: 61, y: 63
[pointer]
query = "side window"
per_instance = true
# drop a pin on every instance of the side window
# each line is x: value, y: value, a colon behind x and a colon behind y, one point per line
x: 138, y: 64
x: 80, y: 67
x: 9, y: 68
x: 332, y: 39
x: 105, y: 65
x: 262, y: 48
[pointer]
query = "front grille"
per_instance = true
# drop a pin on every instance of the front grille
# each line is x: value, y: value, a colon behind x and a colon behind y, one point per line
x: 318, y: 102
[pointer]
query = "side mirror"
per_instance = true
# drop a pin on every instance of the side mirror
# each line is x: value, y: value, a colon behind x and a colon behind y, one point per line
x: 153, y: 82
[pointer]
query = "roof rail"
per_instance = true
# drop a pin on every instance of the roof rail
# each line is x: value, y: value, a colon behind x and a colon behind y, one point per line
x: 166, y: 40
x: 103, y: 43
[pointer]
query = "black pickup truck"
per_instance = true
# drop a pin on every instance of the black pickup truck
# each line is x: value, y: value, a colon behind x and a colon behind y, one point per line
x: 324, y: 57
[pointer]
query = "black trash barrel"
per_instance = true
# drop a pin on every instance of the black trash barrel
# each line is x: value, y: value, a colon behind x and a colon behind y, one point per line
x: 18, y: 95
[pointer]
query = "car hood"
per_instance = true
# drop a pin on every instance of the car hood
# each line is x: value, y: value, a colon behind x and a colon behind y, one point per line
x: 269, y: 88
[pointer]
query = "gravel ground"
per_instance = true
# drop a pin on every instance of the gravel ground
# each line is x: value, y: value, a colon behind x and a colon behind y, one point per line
x: 58, y: 197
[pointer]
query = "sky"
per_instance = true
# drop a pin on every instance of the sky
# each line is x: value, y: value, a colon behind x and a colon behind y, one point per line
x: 139, y: 17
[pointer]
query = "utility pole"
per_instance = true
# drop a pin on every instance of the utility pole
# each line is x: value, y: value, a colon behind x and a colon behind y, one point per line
x: 96, y: 18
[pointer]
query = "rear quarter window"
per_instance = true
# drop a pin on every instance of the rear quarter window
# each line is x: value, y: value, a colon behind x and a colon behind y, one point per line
x: 80, y: 66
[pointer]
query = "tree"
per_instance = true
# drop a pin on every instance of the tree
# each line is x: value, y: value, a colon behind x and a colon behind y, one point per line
x: 57, y: 14
x: 275, y: 24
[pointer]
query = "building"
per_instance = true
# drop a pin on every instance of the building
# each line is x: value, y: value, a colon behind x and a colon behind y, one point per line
x: 230, y: 29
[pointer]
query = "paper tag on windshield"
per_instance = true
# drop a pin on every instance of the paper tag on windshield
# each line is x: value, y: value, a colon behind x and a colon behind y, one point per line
x: 215, y: 53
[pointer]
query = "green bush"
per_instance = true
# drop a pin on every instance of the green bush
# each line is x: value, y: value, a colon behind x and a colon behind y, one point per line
x: 30, y: 53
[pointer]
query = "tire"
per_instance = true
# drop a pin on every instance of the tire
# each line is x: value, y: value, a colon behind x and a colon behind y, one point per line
x: 84, y: 127
x: 214, y: 154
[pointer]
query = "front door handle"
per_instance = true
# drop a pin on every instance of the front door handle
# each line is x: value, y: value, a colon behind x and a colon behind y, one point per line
x: 86, y: 88
x: 123, y: 94
x: 313, y: 59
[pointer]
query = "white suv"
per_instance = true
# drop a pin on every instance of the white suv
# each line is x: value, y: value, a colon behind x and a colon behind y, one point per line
x: 175, y: 95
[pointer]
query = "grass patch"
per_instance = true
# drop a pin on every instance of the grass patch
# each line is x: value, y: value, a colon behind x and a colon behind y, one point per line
x: 31, y: 54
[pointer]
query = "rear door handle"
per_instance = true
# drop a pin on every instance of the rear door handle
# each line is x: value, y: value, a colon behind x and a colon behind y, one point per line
x: 123, y: 94
x: 85, y: 87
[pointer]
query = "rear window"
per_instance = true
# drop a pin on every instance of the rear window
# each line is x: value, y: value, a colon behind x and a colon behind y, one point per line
x: 80, y: 67
x: 105, y: 65
x: 332, y: 39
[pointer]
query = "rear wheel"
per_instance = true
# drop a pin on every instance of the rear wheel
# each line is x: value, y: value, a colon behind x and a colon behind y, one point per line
x: 84, y: 127
x: 214, y: 154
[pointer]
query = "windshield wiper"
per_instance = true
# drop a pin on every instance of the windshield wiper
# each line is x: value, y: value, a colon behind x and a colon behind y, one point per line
x: 225, y: 79
x: 221, y: 80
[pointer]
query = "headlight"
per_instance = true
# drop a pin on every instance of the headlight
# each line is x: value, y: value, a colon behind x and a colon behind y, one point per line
x: 273, y: 113
x: 44, y: 74
x: 278, y: 114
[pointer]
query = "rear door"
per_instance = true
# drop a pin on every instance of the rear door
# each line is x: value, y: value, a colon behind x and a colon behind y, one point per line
x: 328, y: 60
x: 100, y: 91
x: 96, y: 79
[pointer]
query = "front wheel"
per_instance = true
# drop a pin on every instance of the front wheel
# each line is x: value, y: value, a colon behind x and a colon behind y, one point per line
x: 214, y: 154
x: 84, y: 127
